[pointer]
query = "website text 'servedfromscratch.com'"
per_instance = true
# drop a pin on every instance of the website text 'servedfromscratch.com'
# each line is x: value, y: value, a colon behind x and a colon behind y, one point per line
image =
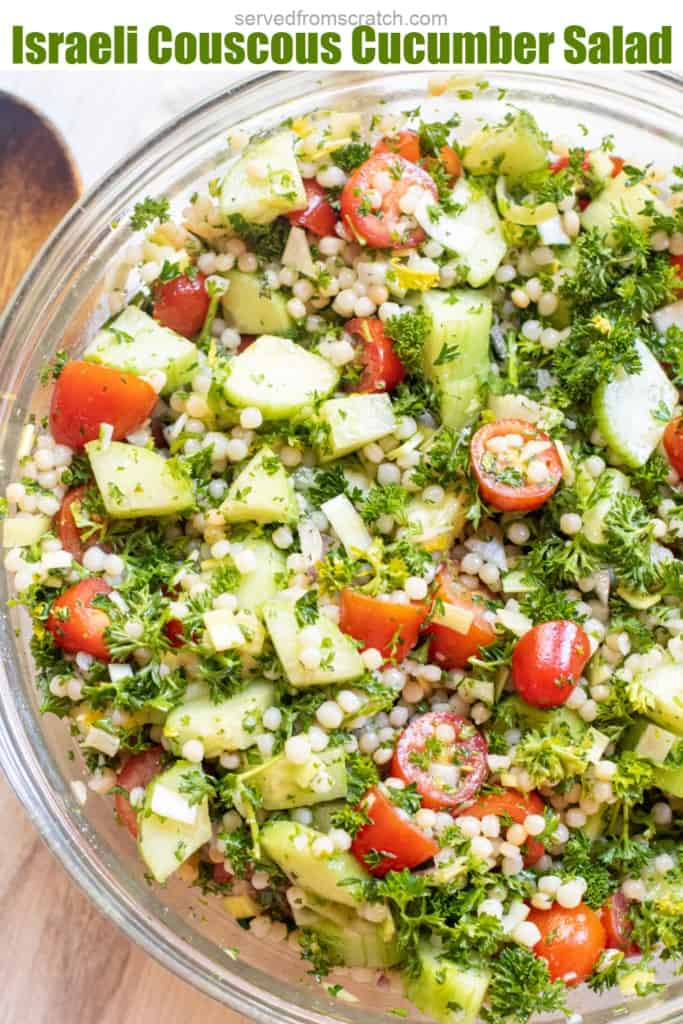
x: 316, y: 19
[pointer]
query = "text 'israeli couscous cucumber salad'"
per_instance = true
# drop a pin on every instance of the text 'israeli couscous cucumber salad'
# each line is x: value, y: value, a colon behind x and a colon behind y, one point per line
x: 353, y: 544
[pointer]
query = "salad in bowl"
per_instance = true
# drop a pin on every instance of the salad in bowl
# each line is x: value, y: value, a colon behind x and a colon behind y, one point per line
x: 352, y: 549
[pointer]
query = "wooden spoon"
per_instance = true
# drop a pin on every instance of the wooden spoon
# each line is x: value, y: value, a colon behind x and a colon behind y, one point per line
x: 39, y: 182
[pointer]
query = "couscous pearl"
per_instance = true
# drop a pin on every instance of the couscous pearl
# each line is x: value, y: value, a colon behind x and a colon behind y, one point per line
x: 570, y: 523
x: 468, y: 825
x: 272, y: 718
x: 575, y: 818
x: 416, y: 588
x: 664, y: 863
x: 518, y: 533
x: 236, y: 449
x: 388, y: 473
x: 318, y: 739
x: 520, y: 298
x: 569, y: 894
x: 547, y: 304
x: 290, y: 457
x: 265, y: 743
x: 282, y: 537
x: 296, y: 309
x: 490, y: 826
x: 193, y: 750
x: 505, y: 274
x: 634, y: 889
x: 372, y: 659
x: 534, y: 824
x: 310, y: 657
x: 251, y: 419
x: 330, y: 714
x: 532, y: 330
x: 526, y: 934
x: 297, y: 749
x: 94, y: 559
x: 571, y: 223
x: 662, y: 814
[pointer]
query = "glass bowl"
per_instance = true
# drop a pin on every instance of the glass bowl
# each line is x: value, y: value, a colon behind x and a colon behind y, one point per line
x: 58, y: 305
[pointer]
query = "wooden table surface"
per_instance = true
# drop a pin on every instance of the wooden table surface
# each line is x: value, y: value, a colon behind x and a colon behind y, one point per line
x: 63, y: 962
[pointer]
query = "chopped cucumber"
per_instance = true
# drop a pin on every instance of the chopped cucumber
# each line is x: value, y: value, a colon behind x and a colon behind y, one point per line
x: 267, y: 577
x: 251, y: 307
x: 164, y: 843
x: 456, y: 351
x: 438, y: 523
x: 290, y: 846
x: 657, y: 745
x: 351, y: 940
x: 610, y: 483
x: 515, y: 147
x: 278, y: 190
x: 447, y: 993
x: 668, y: 316
x: 136, y: 481
x: 340, y: 658
x: 323, y: 814
x: 279, y: 377
x: 356, y: 421
x: 546, y: 720
x: 283, y: 785
x: 474, y: 234
x: 22, y: 531
x: 619, y: 199
x: 629, y: 409
x: 660, y: 696
x: 231, y: 724
x: 297, y: 254
x: 261, y: 493
x: 135, y: 343
x: 347, y: 524
x: 519, y: 407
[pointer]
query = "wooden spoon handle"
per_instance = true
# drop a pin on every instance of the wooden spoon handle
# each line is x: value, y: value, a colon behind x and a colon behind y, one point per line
x: 39, y: 182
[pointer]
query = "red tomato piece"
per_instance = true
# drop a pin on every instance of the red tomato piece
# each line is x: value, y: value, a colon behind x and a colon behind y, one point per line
x: 449, y: 160
x: 406, y: 144
x: 449, y: 647
x: 87, y: 395
x: 182, y: 304
x: 617, y: 165
x: 511, y: 479
x: 390, y: 627
x: 391, y: 833
x: 319, y: 217
x: 245, y: 341
x: 380, y: 227
x: 447, y: 772
x: 571, y: 941
x: 617, y: 924
x: 220, y: 875
x: 562, y: 163
x: 78, y: 625
x: 516, y: 806
x: 175, y: 633
x: 137, y: 772
x: 383, y: 370
x: 69, y: 534
x: 548, y: 661
x: 673, y: 443
x: 677, y: 263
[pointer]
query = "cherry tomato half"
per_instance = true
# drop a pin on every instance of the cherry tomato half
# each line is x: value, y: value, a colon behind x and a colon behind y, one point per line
x: 137, y: 772
x: 450, y: 647
x: 617, y: 924
x: 391, y: 177
x: 447, y: 771
x: 513, y: 475
x: 563, y: 161
x: 318, y: 217
x: 405, y: 144
x: 182, y: 304
x: 392, y: 834
x: 390, y: 627
x: 87, y: 395
x: 673, y: 443
x: 76, y: 624
x: 175, y: 632
x: 677, y: 263
x: 67, y: 531
x: 571, y: 941
x: 383, y: 370
x: 516, y: 806
x: 548, y: 661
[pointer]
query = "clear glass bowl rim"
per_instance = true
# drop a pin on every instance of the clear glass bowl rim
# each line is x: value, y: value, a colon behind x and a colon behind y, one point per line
x: 27, y: 765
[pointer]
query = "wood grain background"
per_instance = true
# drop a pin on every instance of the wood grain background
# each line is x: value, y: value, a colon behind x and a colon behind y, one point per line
x: 62, y: 962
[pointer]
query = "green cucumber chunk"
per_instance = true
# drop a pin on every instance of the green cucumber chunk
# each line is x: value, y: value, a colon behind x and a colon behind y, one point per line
x: 547, y: 720
x: 610, y: 483
x: 290, y: 845
x: 351, y: 940
x: 279, y: 190
x: 355, y: 421
x: 22, y: 531
x: 283, y: 785
x: 135, y: 343
x: 515, y: 148
x: 659, y: 694
x: 261, y: 493
x: 231, y: 724
x: 251, y: 307
x: 663, y: 749
x: 136, y: 481
x: 164, y: 844
x: 340, y: 662
x: 278, y: 377
x: 629, y: 409
x: 456, y: 351
x: 619, y: 199
x: 266, y: 579
x: 447, y: 993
